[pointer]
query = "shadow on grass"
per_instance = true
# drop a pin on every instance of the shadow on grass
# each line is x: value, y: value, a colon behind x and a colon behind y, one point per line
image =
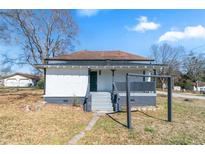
x: 109, y: 115
x: 150, y: 116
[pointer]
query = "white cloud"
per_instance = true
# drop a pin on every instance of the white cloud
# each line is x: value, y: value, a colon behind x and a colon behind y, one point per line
x: 144, y: 25
x: 189, y: 32
x: 87, y: 12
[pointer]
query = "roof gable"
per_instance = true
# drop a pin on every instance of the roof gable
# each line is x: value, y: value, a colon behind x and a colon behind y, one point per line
x: 30, y: 76
x: 100, y: 55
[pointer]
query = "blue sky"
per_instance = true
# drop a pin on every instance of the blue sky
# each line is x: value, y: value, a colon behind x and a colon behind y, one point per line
x: 114, y: 29
x: 135, y: 30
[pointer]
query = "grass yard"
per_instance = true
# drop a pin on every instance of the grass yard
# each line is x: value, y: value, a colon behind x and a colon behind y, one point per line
x: 151, y: 127
x: 24, y: 119
x: 42, y: 124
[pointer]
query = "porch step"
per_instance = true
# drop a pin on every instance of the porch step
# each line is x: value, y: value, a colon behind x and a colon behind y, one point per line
x: 101, y: 101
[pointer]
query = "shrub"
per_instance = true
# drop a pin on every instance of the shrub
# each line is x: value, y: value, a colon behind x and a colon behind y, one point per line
x: 40, y: 84
x: 187, y: 100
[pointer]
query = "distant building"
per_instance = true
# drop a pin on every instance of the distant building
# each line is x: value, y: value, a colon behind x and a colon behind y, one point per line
x: 199, y: 86
x: 177, y: 88
x: 1, y: 81
x: 20, y: 80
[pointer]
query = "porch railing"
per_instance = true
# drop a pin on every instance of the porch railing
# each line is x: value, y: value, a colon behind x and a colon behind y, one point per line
x: 87, y: 102
x: 115, y: 98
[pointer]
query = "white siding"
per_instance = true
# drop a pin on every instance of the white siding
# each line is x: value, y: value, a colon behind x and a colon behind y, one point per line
x: 17, y: 81
x: 66, y: 83
x: 104, y: 81
x: 201, y: 88
x: 74, y: 82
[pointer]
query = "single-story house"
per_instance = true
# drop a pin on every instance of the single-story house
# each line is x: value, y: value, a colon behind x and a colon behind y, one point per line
x: 199, y: 86
x: 97, y: 77
x: 20, y: 80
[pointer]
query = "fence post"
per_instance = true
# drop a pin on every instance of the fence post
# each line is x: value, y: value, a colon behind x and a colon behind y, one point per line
x: 169, y: 104
x: 129, y: 124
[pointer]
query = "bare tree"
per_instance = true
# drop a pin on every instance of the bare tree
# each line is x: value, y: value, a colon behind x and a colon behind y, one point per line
x: 40, y: 33
x: 194, y: 65
x: 170, y: 56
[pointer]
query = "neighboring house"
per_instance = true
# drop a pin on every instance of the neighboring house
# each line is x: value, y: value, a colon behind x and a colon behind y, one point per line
x: 94, y: 76
x: 20, y: 80
x: 1, y: 81
x: 199, y: 86
x: 177, y: 88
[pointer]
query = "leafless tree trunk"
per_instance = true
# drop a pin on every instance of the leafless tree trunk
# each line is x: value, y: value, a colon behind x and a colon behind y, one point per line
x: 194, y: 66
x: 40, y: 33
x: 170, y: 56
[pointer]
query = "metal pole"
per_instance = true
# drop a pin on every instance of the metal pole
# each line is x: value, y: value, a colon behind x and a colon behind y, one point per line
x: 155, y: 79
x: 129, y: 124
x: 144, y: 74
x: 169, y: 104
x: 155, y: 73
x: 44, y: 76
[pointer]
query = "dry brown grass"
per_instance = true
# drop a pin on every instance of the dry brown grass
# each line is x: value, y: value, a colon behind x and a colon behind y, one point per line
x: 151, y: 127
x: 56, y: 124
x: 52, y: 124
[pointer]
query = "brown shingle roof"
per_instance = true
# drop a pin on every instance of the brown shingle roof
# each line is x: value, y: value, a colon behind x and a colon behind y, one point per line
x: 100, y: 55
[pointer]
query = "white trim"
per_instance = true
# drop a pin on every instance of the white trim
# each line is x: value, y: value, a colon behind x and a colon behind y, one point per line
x: 138, y: 94
x: 101, y: 67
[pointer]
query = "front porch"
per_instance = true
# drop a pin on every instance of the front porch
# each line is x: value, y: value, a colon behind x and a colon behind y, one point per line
x: 107, y: 92
x: 101, y: 80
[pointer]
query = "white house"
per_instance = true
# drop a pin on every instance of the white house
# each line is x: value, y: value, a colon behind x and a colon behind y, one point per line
x: 199, y: 86
x: 90, y: 75
x: 20, y: 80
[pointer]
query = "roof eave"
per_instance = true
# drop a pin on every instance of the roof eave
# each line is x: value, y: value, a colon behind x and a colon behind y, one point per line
x: 55, y: 59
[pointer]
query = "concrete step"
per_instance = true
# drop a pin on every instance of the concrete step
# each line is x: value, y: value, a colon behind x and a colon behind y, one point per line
x: 94, y: 106
x: 108, y: 98
x: 99, y: 98
x: 102, y: 109
x: 102, y: 105
x: 102, y: 100
x: 100, y: 93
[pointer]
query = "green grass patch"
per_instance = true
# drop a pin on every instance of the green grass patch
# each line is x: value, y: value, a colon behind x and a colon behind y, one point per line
x: 149, y: 129
x: 181, y: 140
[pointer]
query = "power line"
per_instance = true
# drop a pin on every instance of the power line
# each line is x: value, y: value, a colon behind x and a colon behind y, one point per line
x: 203, y: 45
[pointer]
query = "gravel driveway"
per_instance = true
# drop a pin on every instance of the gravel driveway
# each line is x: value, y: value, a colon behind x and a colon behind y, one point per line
x: 182, y: 95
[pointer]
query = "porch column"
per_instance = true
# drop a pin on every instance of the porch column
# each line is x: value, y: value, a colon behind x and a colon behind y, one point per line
x: 155, y: 79
x: 113, y: 75
x: 155, y: 73
x: 88, y: 89
x: 144, y: 74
